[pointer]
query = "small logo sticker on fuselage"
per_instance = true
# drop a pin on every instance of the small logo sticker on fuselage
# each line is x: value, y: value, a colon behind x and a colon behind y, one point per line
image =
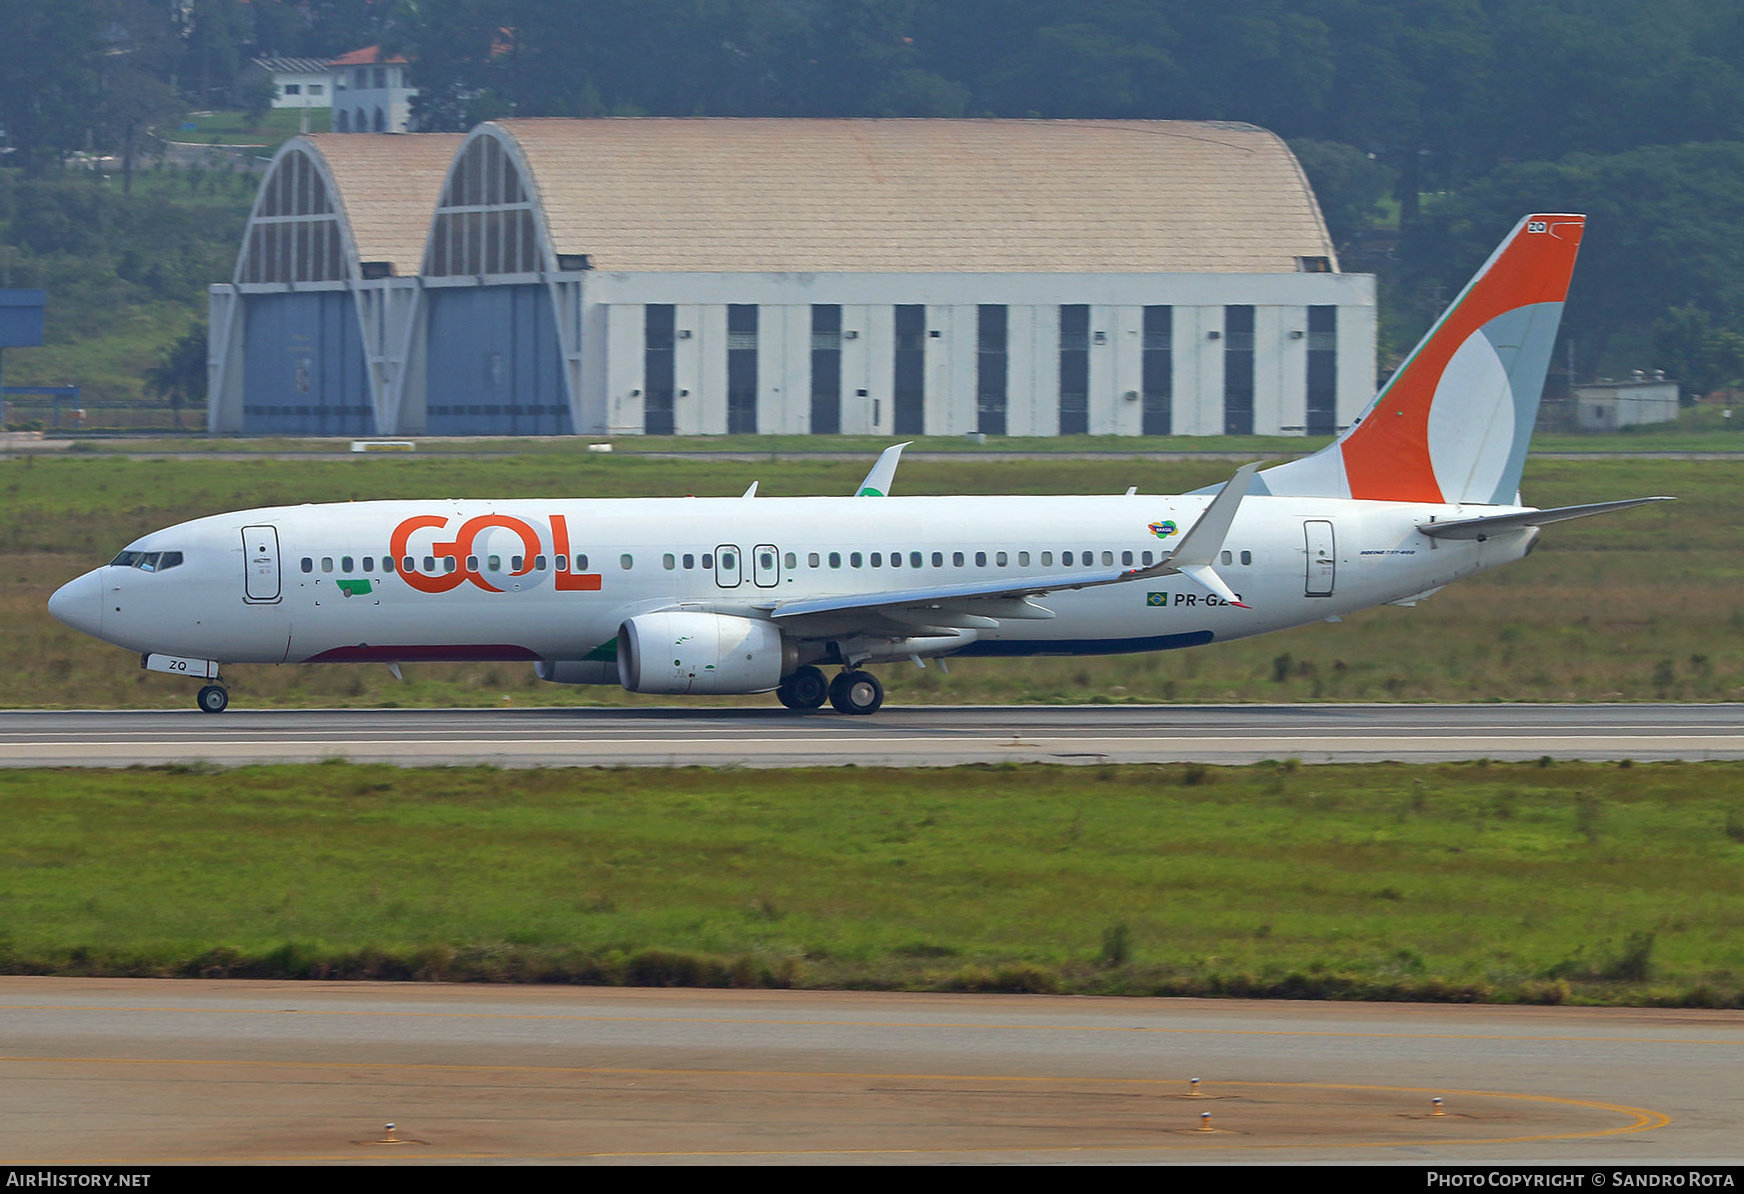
x: 1163, y: 530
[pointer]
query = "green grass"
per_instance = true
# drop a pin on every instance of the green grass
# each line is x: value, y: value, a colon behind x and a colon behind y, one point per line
x: 1644, y: 605
x: 232, y: 128
x: 1584, y: 882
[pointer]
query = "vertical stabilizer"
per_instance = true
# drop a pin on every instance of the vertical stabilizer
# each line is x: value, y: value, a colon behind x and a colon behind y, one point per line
x: 1454, y: 422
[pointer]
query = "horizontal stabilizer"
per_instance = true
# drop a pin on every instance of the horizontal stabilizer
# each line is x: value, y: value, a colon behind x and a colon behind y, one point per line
x: 1497, y: 524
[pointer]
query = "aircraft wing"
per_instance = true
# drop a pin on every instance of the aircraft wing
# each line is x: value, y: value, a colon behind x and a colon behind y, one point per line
x: 983, y: 603
x: 1497, y: 524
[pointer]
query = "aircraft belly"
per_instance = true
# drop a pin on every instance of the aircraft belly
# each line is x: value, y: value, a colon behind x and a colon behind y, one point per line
x: 390, y: 626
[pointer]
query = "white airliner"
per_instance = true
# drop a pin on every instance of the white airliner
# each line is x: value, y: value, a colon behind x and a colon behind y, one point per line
x: 752, y: 594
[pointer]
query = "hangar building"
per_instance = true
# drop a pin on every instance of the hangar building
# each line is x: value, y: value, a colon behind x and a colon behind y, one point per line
x: 698, y: 276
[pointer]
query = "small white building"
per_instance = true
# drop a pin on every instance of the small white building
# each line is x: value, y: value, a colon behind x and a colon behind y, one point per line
x: 1607, y: 405
x: 297, y: 82
x: 371, y: 92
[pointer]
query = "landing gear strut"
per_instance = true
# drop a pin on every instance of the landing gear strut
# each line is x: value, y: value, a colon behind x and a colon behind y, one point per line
x: 856, y: 692
x: 214, y: 698
x: 805, y: 689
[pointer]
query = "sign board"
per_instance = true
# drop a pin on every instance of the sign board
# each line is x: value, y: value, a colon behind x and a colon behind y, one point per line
x: 21, y: 318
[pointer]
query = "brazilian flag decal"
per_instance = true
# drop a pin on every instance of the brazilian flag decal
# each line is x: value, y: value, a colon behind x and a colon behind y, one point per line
x: 354, y: 588
x: 1156, y: 599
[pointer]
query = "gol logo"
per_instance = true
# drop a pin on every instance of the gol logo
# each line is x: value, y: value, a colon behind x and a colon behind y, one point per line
x: 460, y: 549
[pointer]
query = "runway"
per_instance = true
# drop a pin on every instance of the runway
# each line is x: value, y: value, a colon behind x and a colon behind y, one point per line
x: 125, y: 1072
x: 894, y: 737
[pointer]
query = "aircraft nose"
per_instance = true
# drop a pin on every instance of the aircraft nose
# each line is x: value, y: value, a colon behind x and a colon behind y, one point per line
x: 79, y: 604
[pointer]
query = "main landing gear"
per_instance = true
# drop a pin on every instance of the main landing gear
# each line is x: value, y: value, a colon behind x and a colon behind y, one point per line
x: 856, y: 692
x: 853, y: 691
x: 214, y: 698
x: 805, y: 689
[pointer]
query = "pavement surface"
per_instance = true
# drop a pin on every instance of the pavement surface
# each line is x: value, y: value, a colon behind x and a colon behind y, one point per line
x: 895, y: 736
x: 127, y: 1071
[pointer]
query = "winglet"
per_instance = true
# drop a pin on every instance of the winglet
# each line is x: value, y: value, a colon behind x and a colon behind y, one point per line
x: 1204, y: 539
x: 878, y: 481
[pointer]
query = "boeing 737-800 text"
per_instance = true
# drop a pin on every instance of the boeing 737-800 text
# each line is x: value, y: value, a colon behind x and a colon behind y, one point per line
x: 752, y: 594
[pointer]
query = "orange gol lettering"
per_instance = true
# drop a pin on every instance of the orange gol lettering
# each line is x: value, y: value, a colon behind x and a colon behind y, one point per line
x: 461, y: 548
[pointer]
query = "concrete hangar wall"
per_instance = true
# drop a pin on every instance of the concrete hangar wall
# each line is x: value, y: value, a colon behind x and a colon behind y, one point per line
x: 894, y: 277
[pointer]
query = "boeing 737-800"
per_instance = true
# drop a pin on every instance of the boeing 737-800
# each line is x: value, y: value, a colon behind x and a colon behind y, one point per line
x: 751, y: 594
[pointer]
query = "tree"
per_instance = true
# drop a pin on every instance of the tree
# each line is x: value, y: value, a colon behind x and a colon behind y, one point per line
x: 49, y: 59
x: 180, y: 374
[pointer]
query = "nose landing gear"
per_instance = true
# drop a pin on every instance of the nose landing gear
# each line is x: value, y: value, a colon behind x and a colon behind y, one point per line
x: 214, y: 698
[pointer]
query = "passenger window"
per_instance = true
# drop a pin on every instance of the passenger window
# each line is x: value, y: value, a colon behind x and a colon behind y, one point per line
x: 689, y: 561
x: 835, y: 559
x: 345, y: 563
x: 326, y: 563
x: 938, y: 559
x: 1229, y: 557
x: 407, y: 564
x: 1126, y: 558
x: 708, y: 560
x: 1000, y: 559
x: 388, y: 563
x: 957, y: 559
x: 766, y: 561
x: 430, y: 564
x: 449, y: 563
x: 538, y: 563
x: 980, y: 559
x: 515, y: 563
x: 1065, y: 559
x: 471, y: 563
x: 914, y: 559
x: 1047, y: 559
x: 1023, y: 559
x: 729, y: 561
x: 369, y: 563
x: 1107, y: 558
x: 878, y: 559
x: 1148, y: 559
x: 792, y: 561
x: 627, y: 561
x: 494, y: 563
x: 1247, y: 557
x: 669, y: 561
x: 855, y: 559
x: 581, y: 563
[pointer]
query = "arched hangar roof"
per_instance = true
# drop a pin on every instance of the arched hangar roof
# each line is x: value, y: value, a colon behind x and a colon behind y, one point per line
x: 331, y: 201
x: 791, y: 195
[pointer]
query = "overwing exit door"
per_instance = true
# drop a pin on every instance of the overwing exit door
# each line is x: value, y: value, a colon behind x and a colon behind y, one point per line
x: 765, y: 565
x: 260, y: 554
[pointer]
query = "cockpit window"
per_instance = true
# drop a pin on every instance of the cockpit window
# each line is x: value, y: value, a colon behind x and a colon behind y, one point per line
x: 147, y: 561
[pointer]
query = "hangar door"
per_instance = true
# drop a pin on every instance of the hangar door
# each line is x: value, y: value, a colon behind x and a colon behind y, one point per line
x: 303, y: 371
x: 495, y: 366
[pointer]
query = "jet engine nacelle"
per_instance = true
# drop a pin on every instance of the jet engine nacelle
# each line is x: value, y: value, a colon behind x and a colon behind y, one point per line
x: 576, y: 671
x: 696, y: 653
